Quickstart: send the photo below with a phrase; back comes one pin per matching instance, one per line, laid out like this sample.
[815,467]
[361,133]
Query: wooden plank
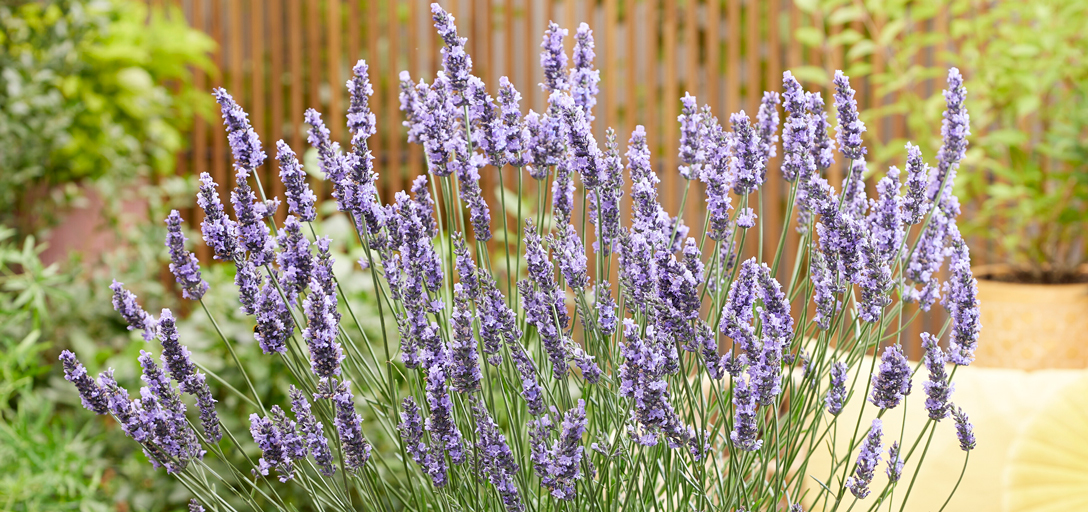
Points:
[752,57]
[313,57]
[714,56]
[610,72]
[775,190]
[294,49]
[653,77]
[732,51]
[200,128]
[219,141]
[392,115]
[415,159]
[275,81]
[337,91]
[692,207]
[355,32]
[256,104]
[630,110]
[669,176]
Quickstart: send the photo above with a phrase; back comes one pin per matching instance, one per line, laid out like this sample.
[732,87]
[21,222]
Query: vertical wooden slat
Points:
[713,55]
[200,129]
[415,160]
[732,51]
[630,115]
[275,82]
[294,19]
[774,193]
[256,105]
[669,175]
[313,56]
[219,142]
[392,113]
[752,74]
[610,73]
[528,87]
[653,74]
[334,47]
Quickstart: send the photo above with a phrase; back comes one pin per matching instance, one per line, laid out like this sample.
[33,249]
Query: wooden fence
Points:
[279,57]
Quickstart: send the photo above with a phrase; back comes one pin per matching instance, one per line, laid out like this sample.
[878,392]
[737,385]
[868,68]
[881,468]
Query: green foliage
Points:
[1027,81]
[91,88]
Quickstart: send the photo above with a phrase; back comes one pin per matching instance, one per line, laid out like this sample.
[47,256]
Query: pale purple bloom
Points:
[90,393]
[604,210]
[274,321]
[530,383]
[915,201]
[516,133]
[765,373]
[183,264]
[444,432]
[848,132]
[961,302]
[498,323]
[886,217]
[563,194]
[964,430]
[253,232]
[775,314]
[194,506]
[836,394]
[560,466]
[823,148]
[606,309]
[248,280]
[553,60]
[176,359]
[348,425]
[584,155]
[273,451]
[466,268]
[436,118]
[410,104]
[455,62]
[745,429]
[798,132]
[718,181]
[737,313]
[464,366]
[411,432]
[293,444]
[498,461]
[867,461]
[467,166]
[938,388]
[323,320]
[748,165]
[875,282]
[955,127]
[927,258]
[294,258]
[855,201]
[642,377]
[300,199]
[571,257]
[649,218]
[767,125]
[583,78]
[692,138]
[312,432]
[245,145]
[162,416]
[329,157]
[824,290]
[488,133]
[219,232]
[892,381]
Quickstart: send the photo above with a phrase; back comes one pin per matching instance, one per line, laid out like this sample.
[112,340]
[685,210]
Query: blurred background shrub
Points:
[1026,171]
[90,89]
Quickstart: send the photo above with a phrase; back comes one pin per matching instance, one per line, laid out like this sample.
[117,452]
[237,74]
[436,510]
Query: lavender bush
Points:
[690,383]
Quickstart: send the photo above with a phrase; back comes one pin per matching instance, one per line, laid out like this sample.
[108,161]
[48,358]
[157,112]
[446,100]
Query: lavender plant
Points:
[694,380]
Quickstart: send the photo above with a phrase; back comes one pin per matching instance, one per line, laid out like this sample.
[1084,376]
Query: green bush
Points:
[1026,171]
[90,88]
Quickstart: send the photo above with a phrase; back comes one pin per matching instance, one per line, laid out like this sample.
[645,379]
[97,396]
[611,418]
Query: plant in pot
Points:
[1024,181]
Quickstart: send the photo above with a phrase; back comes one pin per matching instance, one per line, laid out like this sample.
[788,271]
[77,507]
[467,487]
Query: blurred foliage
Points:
[1026,71]
[90,88]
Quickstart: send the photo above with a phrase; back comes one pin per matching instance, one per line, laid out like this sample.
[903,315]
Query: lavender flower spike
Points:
[848,132]
[455,62]
[244,143]
[294,258]
[583,78]
[498,461]
[530,382]
[964,431]
[219,232]
[892,381]
[737,313]
[300,199]
[915,202]
[323,319]
[938,388]
[312,432]
[411,432]
[183,264]
[176,359]
[125,303]
[955,128]
[767,125]
[961,301]
[836,395]
[253,232]
[823,149]
[745,429]
[273,452]
[747,166]
[553,59]
[867,461]
[464,365]
[692,138]
[895,463]
[93,397]
[349,427]
[194,506]
[798,135]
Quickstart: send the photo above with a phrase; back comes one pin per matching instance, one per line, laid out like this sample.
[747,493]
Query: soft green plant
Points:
[90,88]
[1025,175]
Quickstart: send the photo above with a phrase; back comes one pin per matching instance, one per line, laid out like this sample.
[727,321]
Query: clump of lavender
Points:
[497,434]
[964,430]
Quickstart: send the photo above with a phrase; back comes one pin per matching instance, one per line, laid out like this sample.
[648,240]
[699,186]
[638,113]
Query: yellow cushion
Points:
[1000,403]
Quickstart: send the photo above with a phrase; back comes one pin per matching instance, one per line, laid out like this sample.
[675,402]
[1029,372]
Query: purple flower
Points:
[162,414]
[892,380]
[875,282]
[498,323]
[824,290]
[692,138]
[938,388]
[572,258]
[553,60]
[312,432]
[410,103]
[848,132]
[563,194]
[717,179]
[745,429]
[583,78]
[219,232]
[606,309]
[176,359]
[867,461]
[530,383]
[961,302]
[183,264]
[895,463]
[927,258]
[585,155]
[274,321]
[466,165]
[300,199]
[125,303]
[963,430]
[293,444]
[323,320]
[466,268]
[464,366]
[885,220]
[455,62]
[194,506]
[294,258]
[248,279]
[562,462]
[737,313]
[836,394]
[93,397]
[436,118]
[767,125]
[855,201]
[915,202]
[775,315]
[497,459]
[358,186]
[823,149]
[244,143]
[348,425]
[441,425]
[411,432]
[605,200]
[842,237]
[488,133]
[747,166]
[798,132]
[514,129]
[253,233]
[955,127]
[642,378]
[273,452]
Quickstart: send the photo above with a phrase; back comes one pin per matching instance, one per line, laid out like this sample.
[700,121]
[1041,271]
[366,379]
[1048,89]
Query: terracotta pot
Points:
[1031,326]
